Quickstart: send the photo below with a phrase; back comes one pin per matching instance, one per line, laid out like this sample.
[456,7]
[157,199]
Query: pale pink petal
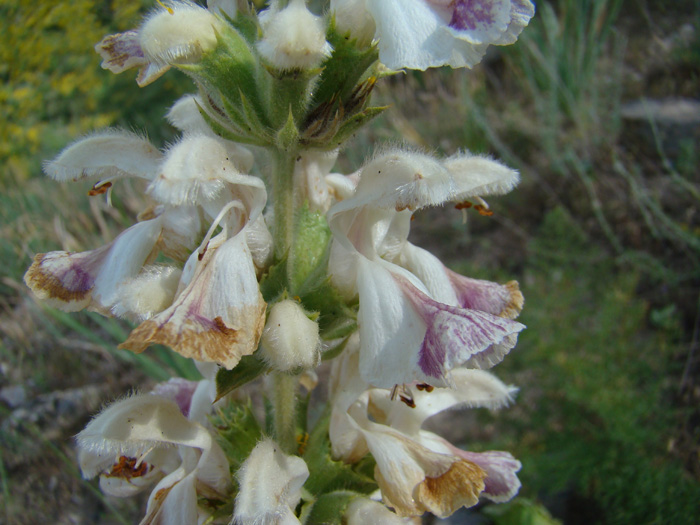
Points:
[479,21]
[501,482]
[121,51]
[504,300]
[73,281]
[457,336]
[414,479]
[178,390]
[219,316]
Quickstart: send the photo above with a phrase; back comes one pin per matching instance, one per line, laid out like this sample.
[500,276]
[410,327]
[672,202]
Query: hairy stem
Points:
[283,198]
[284,400]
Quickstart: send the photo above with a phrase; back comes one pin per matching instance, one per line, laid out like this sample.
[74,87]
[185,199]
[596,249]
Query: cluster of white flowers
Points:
[254,259]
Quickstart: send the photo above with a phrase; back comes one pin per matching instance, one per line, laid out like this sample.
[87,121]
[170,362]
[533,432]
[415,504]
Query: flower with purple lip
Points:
[417,319]
[418,34]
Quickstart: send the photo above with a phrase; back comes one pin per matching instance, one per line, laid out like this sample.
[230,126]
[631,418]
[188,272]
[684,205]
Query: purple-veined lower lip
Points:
[468,15]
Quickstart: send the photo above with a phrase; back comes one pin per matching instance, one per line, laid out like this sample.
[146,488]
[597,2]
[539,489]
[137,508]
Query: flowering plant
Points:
[256,261]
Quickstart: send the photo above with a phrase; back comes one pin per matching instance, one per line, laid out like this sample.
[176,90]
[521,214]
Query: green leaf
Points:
[327,475]
[330,508]
[237,432]
[248,368]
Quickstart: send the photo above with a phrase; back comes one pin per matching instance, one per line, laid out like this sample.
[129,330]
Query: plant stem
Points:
[283,198]
[284,400]
[284,391]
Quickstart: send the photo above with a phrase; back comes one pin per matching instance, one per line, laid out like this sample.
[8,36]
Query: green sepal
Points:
[246,24]
[290,91]
[233,67]
[287,137]
[227,134]
[329,508]
[244,119]
[327,475]
[307,266]
[237,432]
[351,125]
[344,69]
[247,369]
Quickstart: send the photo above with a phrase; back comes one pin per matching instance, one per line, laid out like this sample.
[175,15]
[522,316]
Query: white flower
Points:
[145,438]
[293,37]
[418,34]
[73,281]
[270,486]
[417,319]
[418,471]
[177,33]
[219,314]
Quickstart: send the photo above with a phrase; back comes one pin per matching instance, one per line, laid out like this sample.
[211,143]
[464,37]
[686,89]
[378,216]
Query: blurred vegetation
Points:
[603,234]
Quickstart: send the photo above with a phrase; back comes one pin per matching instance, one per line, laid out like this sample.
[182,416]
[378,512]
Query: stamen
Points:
[100,188]
[483,210]
[408,401]
[394,391]
[425,386]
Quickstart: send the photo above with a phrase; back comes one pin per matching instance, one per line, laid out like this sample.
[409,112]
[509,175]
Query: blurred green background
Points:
[596,105]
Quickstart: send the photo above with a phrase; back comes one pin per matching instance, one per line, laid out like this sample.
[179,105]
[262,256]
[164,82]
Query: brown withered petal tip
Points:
[460,486]
[515,305]
[47,286]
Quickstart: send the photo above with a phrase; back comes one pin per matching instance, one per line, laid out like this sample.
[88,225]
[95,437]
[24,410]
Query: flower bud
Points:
[293,38]
[179,35]
[351,16]
[290,339]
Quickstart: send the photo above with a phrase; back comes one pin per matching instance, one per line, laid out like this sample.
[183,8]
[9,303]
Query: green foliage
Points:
[594,414]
